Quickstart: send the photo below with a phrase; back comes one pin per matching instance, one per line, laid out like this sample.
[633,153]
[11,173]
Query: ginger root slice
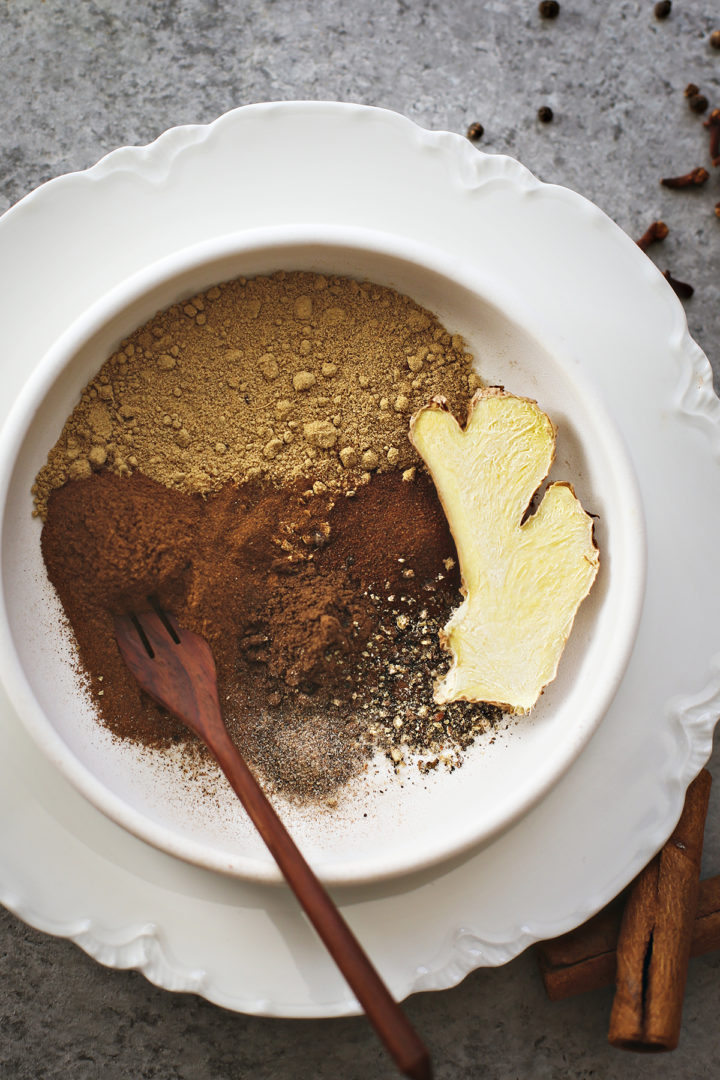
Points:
[523,581]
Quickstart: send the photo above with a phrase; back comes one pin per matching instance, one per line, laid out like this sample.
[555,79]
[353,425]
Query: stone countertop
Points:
[80,79]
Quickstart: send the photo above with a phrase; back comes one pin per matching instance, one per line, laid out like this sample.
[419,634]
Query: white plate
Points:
[383,826]
[582,284]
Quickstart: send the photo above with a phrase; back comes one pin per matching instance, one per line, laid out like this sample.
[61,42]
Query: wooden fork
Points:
[176,668]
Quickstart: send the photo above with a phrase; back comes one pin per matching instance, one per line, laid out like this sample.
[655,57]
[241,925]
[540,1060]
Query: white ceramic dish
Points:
[67,869]
[384,826]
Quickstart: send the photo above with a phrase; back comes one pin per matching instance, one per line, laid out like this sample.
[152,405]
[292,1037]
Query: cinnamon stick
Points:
[585,959]
[656,934]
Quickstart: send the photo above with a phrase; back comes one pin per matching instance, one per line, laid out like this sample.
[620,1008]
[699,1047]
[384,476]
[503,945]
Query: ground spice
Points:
[322,612]
[281,376]
[106,545]
[220,463]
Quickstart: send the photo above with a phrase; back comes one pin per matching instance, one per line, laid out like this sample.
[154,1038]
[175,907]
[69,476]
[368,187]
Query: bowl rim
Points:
[456,271]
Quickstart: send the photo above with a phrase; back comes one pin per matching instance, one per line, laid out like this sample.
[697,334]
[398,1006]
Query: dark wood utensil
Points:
[176,668]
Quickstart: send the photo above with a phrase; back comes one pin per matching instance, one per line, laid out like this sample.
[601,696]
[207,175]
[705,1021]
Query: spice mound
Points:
[285,376]
[244,457]
[323,615]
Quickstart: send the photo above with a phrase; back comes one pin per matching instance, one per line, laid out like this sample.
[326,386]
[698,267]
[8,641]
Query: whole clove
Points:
[713,124]
[655,232]
[717,209]
[692,179]
[715,39]
[662,9]
[475,132]
[680,288]
[691,90]
[545,114]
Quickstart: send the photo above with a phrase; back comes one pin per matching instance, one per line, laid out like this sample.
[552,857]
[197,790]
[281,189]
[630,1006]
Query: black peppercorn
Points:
[715,39]
[698,103]
[545,114]
[663,9]
[549,9]
[475,132]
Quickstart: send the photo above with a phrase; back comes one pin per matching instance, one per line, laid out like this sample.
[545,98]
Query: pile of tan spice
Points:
[291,375]
[244,459]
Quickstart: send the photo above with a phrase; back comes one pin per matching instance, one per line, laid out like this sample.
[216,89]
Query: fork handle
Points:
[388,1019]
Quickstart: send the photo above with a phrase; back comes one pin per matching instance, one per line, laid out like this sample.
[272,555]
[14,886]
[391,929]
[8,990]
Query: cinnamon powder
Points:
[322,614]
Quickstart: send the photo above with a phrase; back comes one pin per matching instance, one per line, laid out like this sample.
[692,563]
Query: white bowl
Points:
[382,827]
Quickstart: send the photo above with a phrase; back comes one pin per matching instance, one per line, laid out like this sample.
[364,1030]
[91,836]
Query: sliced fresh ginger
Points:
[523,581]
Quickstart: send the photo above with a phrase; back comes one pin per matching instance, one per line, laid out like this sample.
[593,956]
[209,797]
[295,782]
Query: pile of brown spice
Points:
[322,614]
[244,460]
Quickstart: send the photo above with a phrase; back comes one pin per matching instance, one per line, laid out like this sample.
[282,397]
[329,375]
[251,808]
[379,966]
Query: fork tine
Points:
[166,618]
[128,627]
[154,627]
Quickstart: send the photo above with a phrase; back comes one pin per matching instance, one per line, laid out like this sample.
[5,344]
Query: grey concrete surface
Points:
[78,79]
